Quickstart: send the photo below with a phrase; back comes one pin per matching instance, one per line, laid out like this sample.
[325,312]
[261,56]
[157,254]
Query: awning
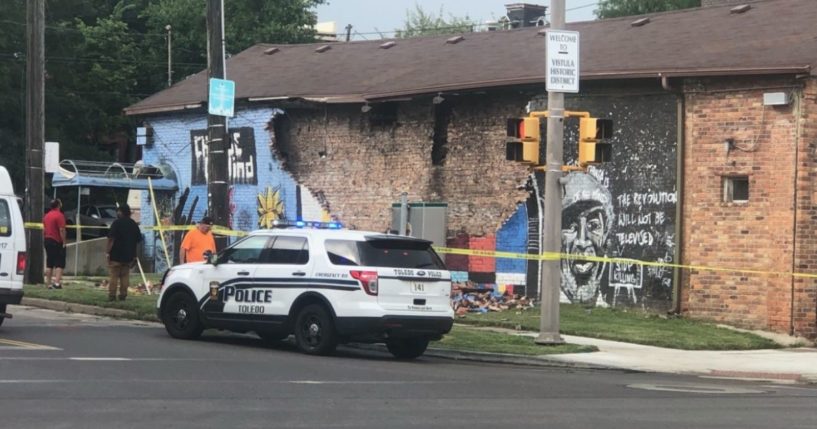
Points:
[112,175]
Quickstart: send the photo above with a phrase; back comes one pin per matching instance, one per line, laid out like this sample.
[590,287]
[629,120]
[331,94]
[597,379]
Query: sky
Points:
[370,16]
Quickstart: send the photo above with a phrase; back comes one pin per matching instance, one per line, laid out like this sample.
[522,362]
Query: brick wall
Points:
[385,160]
[753,235]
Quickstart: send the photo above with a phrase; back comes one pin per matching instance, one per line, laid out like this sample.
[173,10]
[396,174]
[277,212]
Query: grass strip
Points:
[632,326]
[480,340]
[86,292]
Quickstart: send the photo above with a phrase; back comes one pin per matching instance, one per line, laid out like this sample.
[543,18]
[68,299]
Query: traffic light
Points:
[523,139]
[593,145]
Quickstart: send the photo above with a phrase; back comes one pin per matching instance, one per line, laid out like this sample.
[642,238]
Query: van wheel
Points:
[407,348]
[314,331]
[180,316]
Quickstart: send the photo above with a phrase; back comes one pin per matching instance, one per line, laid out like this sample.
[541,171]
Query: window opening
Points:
[736,189]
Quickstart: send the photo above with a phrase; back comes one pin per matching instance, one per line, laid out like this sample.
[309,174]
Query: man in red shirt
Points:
[54,241]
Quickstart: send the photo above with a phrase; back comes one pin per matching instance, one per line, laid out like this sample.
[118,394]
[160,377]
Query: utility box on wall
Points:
[426,220]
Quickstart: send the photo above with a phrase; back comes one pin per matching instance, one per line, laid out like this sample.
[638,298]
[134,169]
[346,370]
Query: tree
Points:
[615,8]
[103,55]
[420,23]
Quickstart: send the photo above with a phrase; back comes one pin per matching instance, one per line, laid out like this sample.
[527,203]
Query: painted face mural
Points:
[587,216]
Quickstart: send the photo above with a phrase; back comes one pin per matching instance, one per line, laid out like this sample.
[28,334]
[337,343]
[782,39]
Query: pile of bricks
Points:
[466,298]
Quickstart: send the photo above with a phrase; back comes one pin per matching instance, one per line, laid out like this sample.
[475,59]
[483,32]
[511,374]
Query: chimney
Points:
[526,15]
[708,3]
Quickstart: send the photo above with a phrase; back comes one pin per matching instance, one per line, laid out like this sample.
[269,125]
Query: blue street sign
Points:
[221,100]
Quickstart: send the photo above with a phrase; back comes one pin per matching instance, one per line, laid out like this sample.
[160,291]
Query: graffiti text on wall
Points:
[240,157]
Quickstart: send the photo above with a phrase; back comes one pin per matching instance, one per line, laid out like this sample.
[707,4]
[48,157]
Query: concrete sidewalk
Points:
[791,365]
[782,365]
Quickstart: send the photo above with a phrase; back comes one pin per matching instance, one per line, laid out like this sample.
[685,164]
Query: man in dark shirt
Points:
[123,238]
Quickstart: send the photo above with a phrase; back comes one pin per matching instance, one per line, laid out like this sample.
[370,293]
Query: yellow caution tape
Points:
[552,256]
[545,256]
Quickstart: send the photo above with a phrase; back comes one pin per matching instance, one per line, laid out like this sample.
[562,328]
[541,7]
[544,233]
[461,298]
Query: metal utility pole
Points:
[218,185]
[551,241]
[35,134]
[348,32]
[169,56]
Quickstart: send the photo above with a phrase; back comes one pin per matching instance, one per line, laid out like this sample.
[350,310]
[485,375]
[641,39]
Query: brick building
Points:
[714,152]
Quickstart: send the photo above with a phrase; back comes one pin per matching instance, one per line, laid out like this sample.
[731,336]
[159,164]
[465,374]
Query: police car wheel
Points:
[314,331]
[181,317]
[407,348]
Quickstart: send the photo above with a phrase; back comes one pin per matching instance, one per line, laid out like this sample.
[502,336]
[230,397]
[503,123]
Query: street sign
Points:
[221,100]
[562,71]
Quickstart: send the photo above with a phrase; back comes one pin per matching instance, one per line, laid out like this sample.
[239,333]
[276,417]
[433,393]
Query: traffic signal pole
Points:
[552,228]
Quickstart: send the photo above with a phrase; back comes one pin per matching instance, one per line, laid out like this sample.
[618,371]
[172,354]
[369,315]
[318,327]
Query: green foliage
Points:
[616,8]
[103,55]
[421,23]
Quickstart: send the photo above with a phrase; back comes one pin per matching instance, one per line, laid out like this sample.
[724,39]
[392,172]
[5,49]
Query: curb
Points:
[486,357]
[70,307]
[457,355]
[541,361]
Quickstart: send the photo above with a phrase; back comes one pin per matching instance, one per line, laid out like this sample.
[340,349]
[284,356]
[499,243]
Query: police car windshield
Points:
[384,253]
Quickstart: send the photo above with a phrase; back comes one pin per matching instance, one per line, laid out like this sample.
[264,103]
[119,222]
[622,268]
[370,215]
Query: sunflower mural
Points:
[270,207]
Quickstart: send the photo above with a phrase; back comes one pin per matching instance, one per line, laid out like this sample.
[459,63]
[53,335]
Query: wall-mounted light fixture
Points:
[438,99]
[366,108]
[322,154]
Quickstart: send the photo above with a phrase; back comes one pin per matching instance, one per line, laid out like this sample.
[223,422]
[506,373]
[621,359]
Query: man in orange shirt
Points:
[197,241]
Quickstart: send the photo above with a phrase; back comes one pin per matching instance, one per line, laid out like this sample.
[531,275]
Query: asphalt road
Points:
[67,370]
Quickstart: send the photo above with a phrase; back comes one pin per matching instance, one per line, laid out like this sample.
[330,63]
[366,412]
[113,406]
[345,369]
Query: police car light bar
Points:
[306,224]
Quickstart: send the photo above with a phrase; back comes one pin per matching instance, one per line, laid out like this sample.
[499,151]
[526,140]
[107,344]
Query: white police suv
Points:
[325,286]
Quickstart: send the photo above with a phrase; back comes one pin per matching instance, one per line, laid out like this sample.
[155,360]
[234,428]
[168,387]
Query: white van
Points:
[12,246]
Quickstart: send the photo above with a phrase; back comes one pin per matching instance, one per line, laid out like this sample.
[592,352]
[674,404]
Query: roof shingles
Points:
[774,36]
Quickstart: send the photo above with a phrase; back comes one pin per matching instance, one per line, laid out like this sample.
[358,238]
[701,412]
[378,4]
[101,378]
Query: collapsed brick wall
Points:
[754,235]
[368,165]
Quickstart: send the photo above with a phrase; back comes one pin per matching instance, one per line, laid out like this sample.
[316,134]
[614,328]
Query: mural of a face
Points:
[587,216]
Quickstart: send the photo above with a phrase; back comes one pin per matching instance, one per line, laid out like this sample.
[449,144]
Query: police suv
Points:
[322,284]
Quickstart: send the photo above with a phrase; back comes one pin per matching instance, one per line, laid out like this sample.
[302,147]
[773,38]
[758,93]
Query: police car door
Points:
[235,273]
[286,271]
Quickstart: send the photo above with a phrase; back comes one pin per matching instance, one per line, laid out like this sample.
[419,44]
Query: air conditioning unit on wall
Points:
[776,99]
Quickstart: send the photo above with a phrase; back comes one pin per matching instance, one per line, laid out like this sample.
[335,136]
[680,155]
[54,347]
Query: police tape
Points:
[218,230]
[545,256]
[555,256]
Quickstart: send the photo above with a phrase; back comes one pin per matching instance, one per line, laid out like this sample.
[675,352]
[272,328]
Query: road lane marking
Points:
[167,380]
[696,388]
[25,345]
[357,382]
[96,359]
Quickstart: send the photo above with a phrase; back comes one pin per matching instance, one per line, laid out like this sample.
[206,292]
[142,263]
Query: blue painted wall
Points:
[512,237]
